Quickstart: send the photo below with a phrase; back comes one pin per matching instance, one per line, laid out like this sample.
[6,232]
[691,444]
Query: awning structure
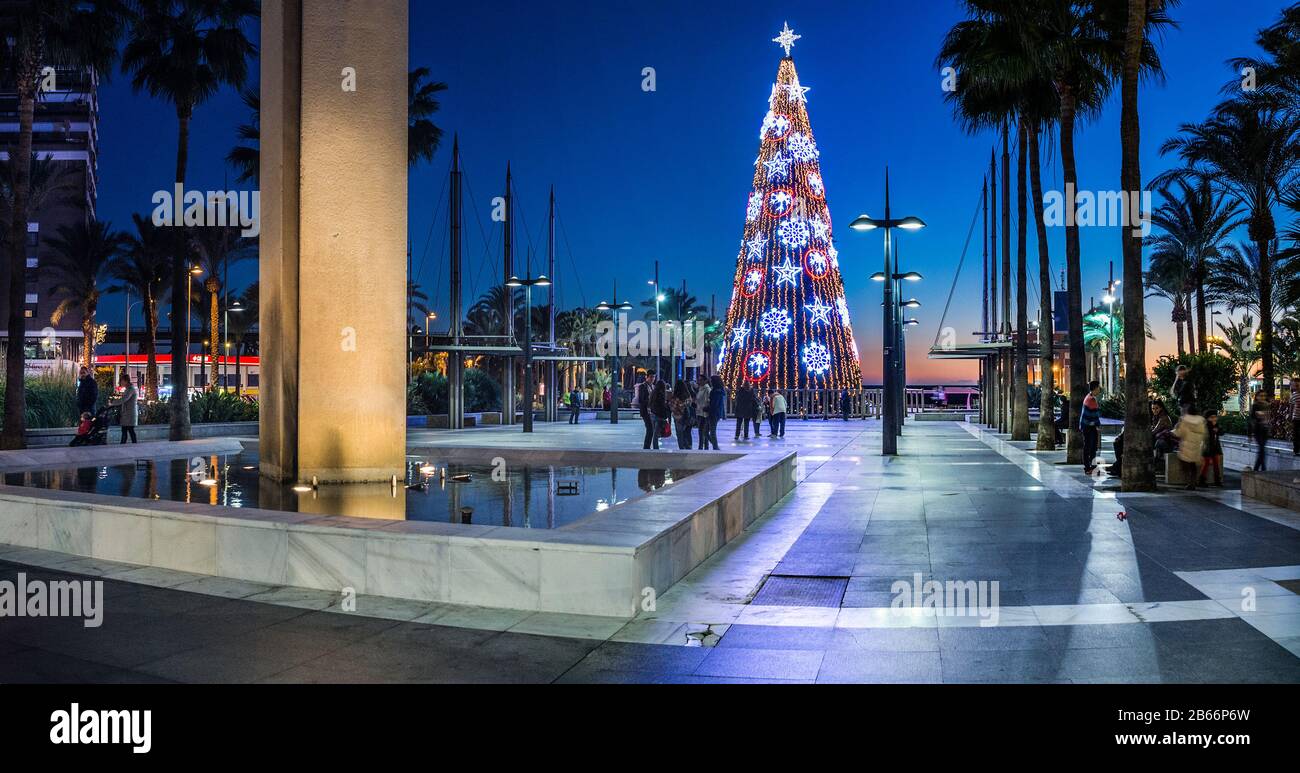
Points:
[978,351]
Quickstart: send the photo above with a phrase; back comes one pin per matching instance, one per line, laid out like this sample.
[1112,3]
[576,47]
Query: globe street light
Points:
[616,385]
[528,285]
[890,410]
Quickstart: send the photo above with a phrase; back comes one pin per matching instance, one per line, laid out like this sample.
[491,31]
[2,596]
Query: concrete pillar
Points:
[333,265]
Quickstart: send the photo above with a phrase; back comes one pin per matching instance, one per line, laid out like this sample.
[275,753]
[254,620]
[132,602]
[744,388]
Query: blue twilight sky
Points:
[555,88]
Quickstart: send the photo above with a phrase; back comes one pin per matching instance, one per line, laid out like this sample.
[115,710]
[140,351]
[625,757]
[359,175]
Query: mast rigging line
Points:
[951,290]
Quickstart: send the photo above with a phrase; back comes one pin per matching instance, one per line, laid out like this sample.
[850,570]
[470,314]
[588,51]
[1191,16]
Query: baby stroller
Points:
[98,429]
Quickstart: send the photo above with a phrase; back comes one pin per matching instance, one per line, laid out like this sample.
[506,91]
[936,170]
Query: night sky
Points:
[556,89]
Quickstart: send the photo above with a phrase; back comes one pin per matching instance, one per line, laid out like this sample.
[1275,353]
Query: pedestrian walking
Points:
[644,391]
[846,404]
[1191,443]
[779,410]
[1260,425]
[129,403]
[1090,426]
[660,410]
[1212,454]
[702,415]
[682,405]
[717,409]
[1183,392]
[87,392]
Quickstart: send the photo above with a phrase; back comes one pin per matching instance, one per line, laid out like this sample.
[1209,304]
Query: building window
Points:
[33,298]
[33,263]
[29,313]
[33,238]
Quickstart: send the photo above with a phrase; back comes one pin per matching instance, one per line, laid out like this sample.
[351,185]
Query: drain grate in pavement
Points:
[785,591]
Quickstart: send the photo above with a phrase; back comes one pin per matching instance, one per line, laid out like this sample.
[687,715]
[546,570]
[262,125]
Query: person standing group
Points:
[87,392]
[710,405]
[130,405]
[776,424]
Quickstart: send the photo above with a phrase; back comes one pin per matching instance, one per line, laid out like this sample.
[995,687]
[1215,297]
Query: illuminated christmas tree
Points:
[788,323]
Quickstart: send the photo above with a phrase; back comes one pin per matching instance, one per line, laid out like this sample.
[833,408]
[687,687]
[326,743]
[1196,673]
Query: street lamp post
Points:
[659,298]
[1112,362]
[236,307]
[892,319]
[179,378]
[528,285]
[129,306]
[616,378]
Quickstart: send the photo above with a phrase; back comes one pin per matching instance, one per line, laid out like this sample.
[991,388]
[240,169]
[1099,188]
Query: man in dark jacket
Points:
[644,391]
[744,409]
[87,392]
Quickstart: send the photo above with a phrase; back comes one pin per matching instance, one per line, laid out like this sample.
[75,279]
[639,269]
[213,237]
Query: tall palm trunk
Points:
[1178,326]
[180,402]
[88,333]
[1020,374]
[1266,311]
[214,288]
[1074,281]
[15,354]
[150,348]
[1203,342]
[1046,359]
[1138,473]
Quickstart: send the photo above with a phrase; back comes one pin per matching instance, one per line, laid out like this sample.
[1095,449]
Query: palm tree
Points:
[1238,344]
[1235,280]
[1278,75]
[1170,278]
[71,34]
[1196,222]
[1005,79]
[417,304]
[246,158]
[1247,150]
[217,249]
[184,51]
[49,182]
[144,268]
[423,136]
[82,255]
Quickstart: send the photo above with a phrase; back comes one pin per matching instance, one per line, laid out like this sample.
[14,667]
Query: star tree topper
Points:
[786,39]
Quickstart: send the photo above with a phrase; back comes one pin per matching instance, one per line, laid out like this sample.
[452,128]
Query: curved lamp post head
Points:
[912,322]
[912,304]
[514,281]
[864,223]
[911,276]
[879,276]
[911,224]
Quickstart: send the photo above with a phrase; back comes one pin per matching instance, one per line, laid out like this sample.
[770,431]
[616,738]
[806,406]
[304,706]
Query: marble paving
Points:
[1186,589]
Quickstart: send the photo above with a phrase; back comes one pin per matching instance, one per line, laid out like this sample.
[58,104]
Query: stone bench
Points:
[1281,488]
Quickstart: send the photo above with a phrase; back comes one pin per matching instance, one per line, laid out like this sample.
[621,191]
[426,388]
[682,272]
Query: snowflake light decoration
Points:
[802,148]
[856,356]
[776,126]
[758,366]
[753,282]
[780,202]
[816,263]
[821,230]
[815,185]
[754,208]
[817,359]
[775,323]
[842,306]
[787,274]
[794,233]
